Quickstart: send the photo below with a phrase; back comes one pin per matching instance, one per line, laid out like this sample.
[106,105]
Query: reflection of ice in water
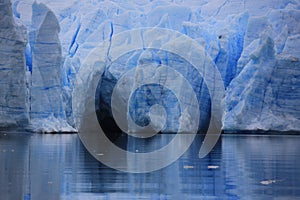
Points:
[59,167]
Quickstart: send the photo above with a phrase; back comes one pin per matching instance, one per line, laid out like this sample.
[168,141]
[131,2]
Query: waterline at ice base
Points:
[159,58]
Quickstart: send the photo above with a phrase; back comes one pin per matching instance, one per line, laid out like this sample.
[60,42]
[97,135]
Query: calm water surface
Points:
[58,167]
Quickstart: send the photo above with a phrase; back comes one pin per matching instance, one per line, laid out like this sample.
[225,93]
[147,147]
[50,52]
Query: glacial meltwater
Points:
[241,166]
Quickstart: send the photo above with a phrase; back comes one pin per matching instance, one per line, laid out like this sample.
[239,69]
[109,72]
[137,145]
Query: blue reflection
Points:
[35,167]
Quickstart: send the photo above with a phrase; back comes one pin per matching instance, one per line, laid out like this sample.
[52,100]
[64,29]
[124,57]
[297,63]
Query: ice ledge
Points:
[51,124]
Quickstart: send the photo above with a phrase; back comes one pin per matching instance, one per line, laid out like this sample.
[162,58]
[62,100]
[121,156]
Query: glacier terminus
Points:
[254,46]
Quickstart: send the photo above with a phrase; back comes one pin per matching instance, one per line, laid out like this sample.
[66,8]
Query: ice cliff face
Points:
[46,101]
[254,46]
[31,87]
[14,92]
[265,94]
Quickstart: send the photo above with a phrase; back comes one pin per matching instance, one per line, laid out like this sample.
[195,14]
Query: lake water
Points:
[241,166]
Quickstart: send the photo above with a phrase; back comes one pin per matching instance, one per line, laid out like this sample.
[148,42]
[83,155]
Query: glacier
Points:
[14,92]
[253,45]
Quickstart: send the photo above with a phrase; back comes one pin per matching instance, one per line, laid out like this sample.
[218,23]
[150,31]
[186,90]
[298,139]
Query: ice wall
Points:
[254,46]
[13,92]
[265,94]
[31,71]
[46,102]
